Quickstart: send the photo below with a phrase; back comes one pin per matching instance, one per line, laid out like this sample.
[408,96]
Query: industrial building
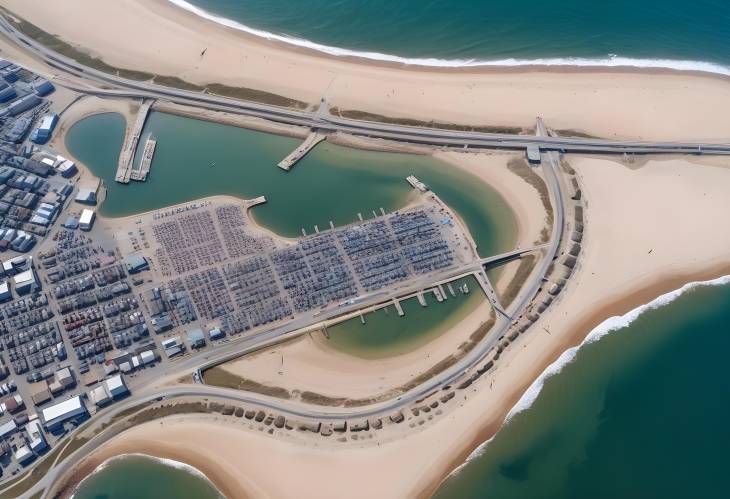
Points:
[172,346]
[21,105]
[86,196]
[137,263]
[57,414]
[5,293]
[215,334]
[8,428]
[196,338]
[26,282]
[42,134]
[116,386]
[148,357]
[35,437]
[65,377]
[7,92]
[23,455]
[100,396]
[39,393]
[43,87]
[86,220]
[67,168]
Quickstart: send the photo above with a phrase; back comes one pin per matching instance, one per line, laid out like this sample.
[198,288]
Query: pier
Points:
[421,299]
[443,293]
[398,307]
[312,140]
[131,139]
[140,174]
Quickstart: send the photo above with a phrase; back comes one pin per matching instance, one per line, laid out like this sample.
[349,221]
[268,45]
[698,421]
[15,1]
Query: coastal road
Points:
[94,82]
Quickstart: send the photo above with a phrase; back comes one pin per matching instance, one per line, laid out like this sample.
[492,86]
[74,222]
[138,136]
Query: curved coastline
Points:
[172,463]
[611,61]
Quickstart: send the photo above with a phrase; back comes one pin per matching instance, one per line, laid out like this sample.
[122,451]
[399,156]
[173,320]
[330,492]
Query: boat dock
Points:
[451,290]
[421,299]
[398,307]
[416,184]
[437,294]
[140,174]
[131,139]
[312,140]
[443,293]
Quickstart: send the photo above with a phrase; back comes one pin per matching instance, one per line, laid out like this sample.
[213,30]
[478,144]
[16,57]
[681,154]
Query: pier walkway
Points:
[140,174]
[131,139]
[312,140]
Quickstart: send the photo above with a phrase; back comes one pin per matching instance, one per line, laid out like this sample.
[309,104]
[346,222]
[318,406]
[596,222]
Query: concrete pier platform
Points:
[131,139]
[398,308]
[312,140]
[443,293]
[140,174]
[421,299]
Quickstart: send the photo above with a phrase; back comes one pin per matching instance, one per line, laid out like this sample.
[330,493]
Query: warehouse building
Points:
[100,396]
[116,386]
[196,338]
[21,105]
[26,282]
[7,92]
[65,377]
[57,414]
[23,455]
[5,293]
[35,437]
[39,393]
[86,220]
[86,196]
[42,134]
[172,346]
[43,87]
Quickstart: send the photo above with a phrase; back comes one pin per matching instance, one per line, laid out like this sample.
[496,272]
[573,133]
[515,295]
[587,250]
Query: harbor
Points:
[131,139]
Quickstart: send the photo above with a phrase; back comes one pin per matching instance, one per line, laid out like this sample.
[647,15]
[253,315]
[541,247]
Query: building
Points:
[147,357]
[26,282]
[39,393]
[67,169]
[5,293]
[14,404]
[57,414]
[100,396]
[41,134]
[86,196]
[7,92]
[137,263]
[71,223]
[86,220]
[23,455]
[7,428]
[172,346]
[65,377]
[116,386]
[23,104]
[533,154]
[43,87]
[215,334]
[35,437]
[196,338]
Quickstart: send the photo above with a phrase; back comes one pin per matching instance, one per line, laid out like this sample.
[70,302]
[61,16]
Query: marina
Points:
[131,139]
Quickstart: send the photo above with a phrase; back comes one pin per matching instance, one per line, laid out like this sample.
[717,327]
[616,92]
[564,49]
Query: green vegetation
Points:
[217,376]
[575,133]
[31,477]
[527,263]
[365,116]
[520,167]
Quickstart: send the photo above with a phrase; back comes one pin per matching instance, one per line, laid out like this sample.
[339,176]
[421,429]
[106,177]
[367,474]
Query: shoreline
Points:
[620,63]
[631,104]
[576,337]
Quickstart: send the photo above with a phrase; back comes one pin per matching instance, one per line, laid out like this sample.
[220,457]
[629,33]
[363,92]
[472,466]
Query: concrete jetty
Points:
[437,294]
[421,299]
[451,290]
[140,174]
[131,139]
[398,307]
[312,140]
[443,293]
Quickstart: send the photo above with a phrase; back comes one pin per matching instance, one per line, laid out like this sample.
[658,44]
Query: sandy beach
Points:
[611,279]
[158,37]
[650,227]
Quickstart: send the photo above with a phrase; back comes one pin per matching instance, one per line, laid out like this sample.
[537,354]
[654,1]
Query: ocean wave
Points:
[610,325]
[612,60]
[167,462]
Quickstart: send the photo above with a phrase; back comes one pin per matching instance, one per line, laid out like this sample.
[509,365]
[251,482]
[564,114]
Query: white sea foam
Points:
[608,326]
[611,60]
[167,462]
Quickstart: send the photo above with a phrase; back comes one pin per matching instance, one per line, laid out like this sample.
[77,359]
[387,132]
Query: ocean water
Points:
[331,183]
[666,33]
[142,477]
[639,411]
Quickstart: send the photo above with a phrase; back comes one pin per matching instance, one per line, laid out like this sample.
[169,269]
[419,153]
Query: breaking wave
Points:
[608,326]
[167,462]
[611,60]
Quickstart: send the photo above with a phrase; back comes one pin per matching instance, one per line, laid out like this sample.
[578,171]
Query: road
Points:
[91,81]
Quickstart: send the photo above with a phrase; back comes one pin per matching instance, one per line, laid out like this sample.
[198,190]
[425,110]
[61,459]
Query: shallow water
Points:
[386,334]
[197,158]
[142,477]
